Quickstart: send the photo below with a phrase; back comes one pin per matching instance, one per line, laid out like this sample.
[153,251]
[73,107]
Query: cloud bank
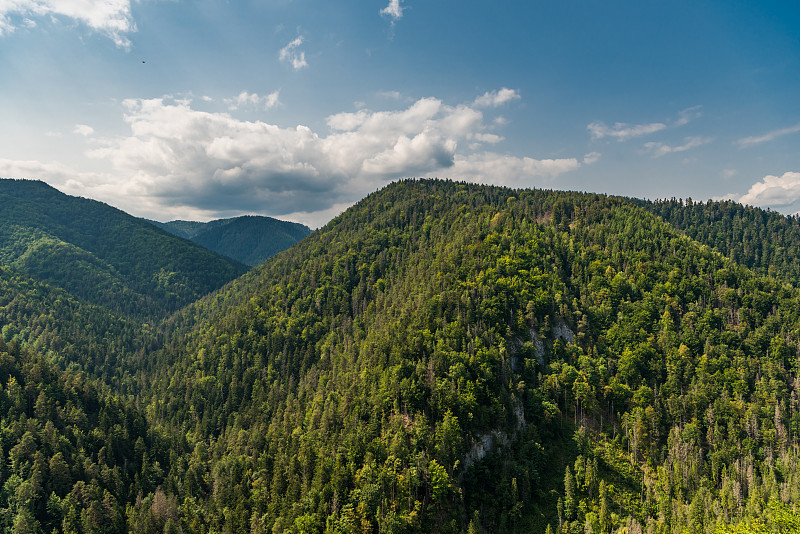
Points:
[774,191]
[109,17]
[179,158]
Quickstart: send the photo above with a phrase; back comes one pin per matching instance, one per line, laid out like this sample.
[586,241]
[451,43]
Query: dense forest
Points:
[443,356]
[764,241]
[103,255]
[248,239]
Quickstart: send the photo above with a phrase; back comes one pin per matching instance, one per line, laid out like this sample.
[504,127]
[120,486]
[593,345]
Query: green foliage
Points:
[440,328]
[73,457]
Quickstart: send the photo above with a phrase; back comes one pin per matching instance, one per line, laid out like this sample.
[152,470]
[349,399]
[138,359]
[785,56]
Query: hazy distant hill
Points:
[103,255]
[249,239]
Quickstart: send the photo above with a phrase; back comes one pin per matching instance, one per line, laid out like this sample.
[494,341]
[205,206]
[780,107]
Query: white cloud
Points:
[622,131]
[253,100]
[487,138]
[496,98]
[769,136]
[661,149]
[83,129]
[774,191]
[394,10]
[178,157]
[30,169]
[292,54]
[109,17]
[591,157]
[504,169]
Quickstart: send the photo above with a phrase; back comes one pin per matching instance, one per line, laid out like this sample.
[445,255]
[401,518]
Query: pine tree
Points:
[605,513]
[569,495]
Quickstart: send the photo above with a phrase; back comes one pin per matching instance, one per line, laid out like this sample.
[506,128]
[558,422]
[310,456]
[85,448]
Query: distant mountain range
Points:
[249,239]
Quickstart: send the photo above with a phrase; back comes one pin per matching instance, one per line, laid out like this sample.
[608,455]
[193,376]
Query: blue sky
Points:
[296,109]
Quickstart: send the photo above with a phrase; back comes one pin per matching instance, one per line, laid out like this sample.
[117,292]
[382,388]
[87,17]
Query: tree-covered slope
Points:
[103,255]
[248,239]
[446,357]
[764,241]
[72,333]
[75,460]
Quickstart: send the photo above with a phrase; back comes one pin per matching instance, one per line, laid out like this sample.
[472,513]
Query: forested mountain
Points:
[103,255]
[442,357]
[446,357]
[764,241]
[249,239]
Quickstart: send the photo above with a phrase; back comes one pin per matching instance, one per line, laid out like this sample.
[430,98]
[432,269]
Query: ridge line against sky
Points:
[297,109]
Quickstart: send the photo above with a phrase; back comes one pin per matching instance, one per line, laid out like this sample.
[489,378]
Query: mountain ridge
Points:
[249,239]
[102,254]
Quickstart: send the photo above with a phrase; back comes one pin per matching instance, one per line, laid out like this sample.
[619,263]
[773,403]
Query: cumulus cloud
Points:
[769,136]
[661,149]
[178,156]
[504,169]
[253,100]
[394,10]
[292,54]
[109,17]
[622,131]
[496,98]
[31,169]
[774,191]
[83,129]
